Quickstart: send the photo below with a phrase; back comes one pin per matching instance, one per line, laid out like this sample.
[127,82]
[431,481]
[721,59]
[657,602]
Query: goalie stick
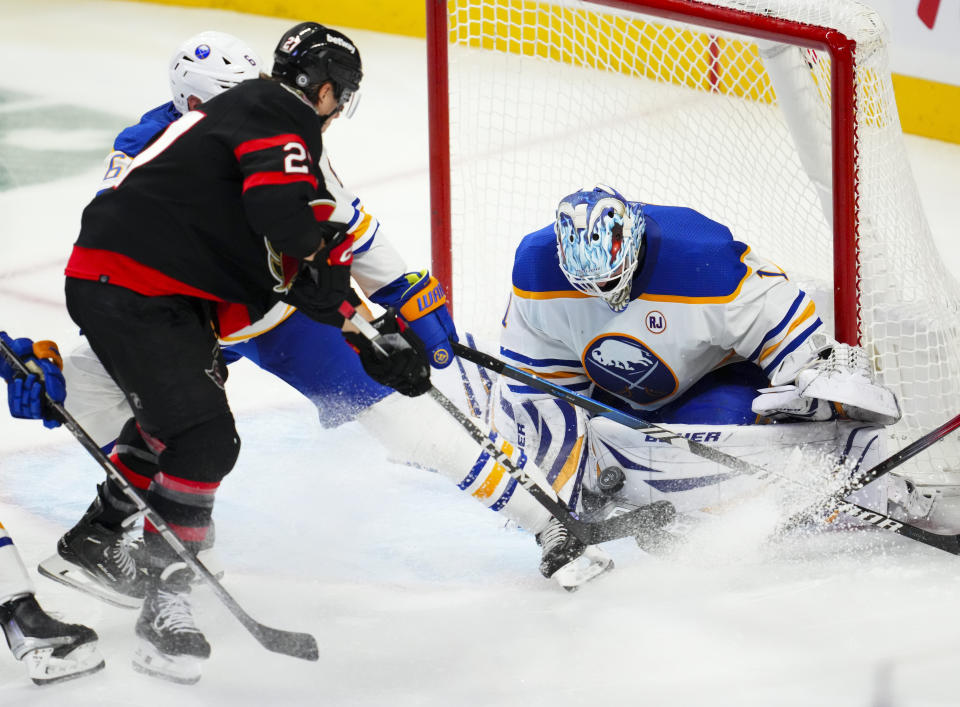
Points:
[837,498]
[292,643]
[637,521]
[949,543]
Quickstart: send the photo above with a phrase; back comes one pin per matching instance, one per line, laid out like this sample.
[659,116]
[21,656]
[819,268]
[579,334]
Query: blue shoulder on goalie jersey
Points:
[133,139]
[688,256]
[536,270]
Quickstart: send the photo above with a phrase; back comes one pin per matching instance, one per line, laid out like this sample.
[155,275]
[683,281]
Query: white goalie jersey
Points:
[700,300]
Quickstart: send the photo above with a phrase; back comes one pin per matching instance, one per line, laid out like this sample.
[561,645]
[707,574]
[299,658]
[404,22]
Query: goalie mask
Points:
[599,235]
[208,64]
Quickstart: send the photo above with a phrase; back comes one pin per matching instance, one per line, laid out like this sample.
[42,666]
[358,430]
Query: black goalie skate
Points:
[52,651]
[171,646]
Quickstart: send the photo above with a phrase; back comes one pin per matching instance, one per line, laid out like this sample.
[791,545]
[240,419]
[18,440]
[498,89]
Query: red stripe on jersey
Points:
[266,178]
[232,317]
[121,270]
[263,143]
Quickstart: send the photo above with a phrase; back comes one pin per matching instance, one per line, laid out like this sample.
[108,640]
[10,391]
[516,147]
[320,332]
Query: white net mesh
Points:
[549,97]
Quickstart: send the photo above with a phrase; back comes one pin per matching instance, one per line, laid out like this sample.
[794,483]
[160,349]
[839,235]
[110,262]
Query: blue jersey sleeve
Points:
[133,139]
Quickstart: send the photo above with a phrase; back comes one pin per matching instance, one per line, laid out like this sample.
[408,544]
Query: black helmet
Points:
[310,54]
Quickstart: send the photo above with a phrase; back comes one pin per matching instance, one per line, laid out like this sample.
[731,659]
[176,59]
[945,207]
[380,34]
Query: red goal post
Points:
[774,117]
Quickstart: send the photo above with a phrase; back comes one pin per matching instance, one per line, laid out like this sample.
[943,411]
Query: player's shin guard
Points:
[187,507]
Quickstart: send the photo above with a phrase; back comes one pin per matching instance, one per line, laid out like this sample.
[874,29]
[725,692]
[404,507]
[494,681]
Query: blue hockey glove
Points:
[25,396]
[421,301]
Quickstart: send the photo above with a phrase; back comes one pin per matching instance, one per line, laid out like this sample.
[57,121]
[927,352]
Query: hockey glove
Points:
[323,284]
[838,382]
[421,301]
[25,396]
[402,365]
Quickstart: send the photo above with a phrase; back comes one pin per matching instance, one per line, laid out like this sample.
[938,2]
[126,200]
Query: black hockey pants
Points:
[164,355]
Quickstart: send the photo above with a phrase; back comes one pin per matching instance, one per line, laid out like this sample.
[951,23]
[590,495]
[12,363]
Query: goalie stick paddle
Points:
[640,520]
[949,543]
[292,643]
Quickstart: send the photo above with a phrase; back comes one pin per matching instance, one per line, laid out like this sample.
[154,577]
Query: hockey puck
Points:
[611,479]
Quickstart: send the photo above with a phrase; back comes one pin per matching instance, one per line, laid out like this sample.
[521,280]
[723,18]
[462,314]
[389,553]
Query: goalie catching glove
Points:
[421,301]
[838,382]
[397,358]
[25,396]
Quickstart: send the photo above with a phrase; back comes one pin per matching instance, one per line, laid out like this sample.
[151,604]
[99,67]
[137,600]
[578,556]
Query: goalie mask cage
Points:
[774,117]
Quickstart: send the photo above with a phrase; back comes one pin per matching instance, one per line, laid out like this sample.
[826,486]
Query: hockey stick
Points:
[590,533]
[949,543]
[292,643]
[863,478]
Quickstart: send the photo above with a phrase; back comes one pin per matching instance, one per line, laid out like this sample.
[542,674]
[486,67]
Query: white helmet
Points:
[209,63]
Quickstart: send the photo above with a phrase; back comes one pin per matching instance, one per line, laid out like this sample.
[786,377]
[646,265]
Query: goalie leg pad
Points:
[419,432]
[14,580]
[655,470]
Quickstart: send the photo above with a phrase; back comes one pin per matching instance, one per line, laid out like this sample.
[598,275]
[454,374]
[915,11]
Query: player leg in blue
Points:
[314,359]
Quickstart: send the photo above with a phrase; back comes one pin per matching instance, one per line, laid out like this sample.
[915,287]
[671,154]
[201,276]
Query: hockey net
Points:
[774,117]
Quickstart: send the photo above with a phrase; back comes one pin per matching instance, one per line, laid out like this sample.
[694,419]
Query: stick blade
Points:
[638,521]
[291,643]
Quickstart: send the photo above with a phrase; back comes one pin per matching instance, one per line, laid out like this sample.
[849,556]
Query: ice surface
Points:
[416,594]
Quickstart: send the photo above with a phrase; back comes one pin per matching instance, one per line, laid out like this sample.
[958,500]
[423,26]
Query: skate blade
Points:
[45,669]
[181,669]
[585,568]
[59,570]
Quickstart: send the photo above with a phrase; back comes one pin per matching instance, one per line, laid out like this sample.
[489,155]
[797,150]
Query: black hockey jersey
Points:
[221,206]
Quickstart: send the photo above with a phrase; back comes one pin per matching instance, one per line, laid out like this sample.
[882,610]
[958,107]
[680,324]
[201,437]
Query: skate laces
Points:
[174,614]
[553,536]
[122,556]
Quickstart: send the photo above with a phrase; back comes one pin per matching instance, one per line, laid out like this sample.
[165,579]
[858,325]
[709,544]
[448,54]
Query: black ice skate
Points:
[99,561]
[171,646]
[52,651]
[568,560]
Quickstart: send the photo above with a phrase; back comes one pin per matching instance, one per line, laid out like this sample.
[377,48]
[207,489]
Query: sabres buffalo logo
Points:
[626,367]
